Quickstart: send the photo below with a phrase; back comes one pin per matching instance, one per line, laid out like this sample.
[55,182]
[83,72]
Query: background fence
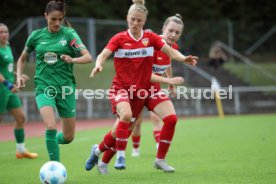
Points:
[195,105]
[197,39]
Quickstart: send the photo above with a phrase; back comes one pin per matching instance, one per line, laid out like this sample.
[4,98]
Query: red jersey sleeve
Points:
[158,43]
[113,43]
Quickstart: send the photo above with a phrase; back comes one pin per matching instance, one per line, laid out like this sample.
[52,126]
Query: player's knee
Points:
[126,117]
[20,120]
[170,120]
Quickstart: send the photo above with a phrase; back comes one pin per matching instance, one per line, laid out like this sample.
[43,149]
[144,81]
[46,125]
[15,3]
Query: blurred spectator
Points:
[217,56]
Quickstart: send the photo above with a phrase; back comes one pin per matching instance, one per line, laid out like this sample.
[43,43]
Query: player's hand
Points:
[191,60]
[66,58]
[176,81]
[95,70]
[172,90]
[25,77]
[14,89]
[20,82]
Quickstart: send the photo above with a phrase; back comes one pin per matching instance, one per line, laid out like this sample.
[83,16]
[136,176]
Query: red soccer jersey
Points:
[161,62]
[133,59]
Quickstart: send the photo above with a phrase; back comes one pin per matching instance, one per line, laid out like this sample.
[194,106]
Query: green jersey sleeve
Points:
[29,46]
[75,41]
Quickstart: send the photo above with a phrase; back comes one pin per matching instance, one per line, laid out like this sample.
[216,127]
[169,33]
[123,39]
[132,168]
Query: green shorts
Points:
[8,101]
[66,106]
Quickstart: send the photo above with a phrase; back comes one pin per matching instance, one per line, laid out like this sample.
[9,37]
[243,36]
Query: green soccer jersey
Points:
[50,69]
[6,63]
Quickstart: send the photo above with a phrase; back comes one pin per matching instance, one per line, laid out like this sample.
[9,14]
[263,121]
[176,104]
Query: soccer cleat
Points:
[162,165]
[120,163]
[135,152]
[102,168]
[25,154]
[93,159]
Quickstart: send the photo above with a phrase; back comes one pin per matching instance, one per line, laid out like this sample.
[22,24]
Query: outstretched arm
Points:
[176,55]
[102,57]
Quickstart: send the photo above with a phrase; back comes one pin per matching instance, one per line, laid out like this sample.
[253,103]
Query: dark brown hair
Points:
[57,5]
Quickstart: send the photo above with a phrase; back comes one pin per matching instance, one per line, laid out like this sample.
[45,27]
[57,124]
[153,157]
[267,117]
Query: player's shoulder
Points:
[122,34]
[38,31]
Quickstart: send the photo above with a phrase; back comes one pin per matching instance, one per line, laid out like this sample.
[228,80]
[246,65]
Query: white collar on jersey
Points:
[142,34]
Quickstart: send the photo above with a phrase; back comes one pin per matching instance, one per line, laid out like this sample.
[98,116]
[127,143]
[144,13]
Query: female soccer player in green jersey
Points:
[8,100]
[57,48]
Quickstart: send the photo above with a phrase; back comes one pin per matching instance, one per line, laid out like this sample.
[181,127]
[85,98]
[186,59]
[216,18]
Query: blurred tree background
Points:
[204,20]
[242,10]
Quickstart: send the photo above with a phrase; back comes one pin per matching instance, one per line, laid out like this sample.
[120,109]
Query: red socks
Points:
[107,142]
[156,135]
[166,135]
[122,134]
[135,141]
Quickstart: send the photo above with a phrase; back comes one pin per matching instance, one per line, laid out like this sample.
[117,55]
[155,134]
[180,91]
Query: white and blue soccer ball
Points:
[53,172]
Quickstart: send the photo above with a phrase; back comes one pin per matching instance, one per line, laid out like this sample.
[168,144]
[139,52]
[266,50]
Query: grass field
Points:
[236,149]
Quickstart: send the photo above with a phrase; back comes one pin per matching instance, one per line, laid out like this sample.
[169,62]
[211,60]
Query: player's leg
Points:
[66,107]
[125,114]
[19,133]
[68,131]
[157,126]
[15,109]
[165,110]
[48,117]
[108,142]
[46,108]
[136,136]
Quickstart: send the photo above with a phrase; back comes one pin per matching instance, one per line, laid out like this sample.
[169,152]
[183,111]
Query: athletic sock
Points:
[52,145]
[108,155]
[19,135]
[107,142]
[166,136]
[19,138]
[122,136]
[156,135]
[136,141]
[61,140]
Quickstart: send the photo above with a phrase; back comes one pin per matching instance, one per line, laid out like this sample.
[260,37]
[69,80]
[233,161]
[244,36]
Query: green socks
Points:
[52,145]
[19,135]
[61,140]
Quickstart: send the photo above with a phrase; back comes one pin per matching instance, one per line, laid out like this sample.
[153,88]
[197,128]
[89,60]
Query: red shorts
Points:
[117,96]
[154,100]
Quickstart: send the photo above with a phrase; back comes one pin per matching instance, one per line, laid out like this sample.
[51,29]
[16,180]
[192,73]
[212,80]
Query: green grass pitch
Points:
[206,150]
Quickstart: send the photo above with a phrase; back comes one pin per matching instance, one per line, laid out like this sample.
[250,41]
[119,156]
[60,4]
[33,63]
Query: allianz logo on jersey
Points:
[160,69]
[134,53]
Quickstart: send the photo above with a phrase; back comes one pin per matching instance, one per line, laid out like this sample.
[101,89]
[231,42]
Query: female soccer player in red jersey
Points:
[133,61]
[171,32]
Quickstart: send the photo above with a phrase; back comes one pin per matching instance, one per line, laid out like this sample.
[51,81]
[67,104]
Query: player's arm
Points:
[83,59]
[168,73]
[8,84]
[102,57]
[165,80]
[20,81]
[176,55]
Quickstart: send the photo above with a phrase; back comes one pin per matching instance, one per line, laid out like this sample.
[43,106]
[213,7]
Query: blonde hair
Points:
[177,18]
[138,5]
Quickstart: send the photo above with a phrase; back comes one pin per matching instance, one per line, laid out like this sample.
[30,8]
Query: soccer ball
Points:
[53,172]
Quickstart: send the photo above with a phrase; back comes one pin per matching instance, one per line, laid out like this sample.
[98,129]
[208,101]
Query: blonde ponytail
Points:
[138,5]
